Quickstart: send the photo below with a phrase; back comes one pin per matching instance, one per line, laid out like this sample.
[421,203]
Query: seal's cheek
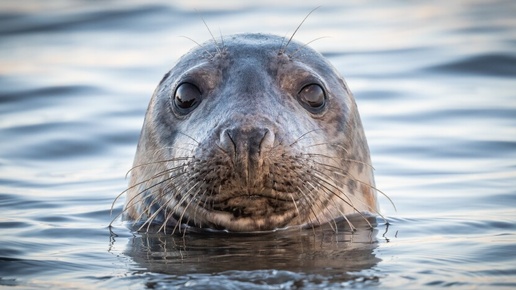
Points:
[369,196]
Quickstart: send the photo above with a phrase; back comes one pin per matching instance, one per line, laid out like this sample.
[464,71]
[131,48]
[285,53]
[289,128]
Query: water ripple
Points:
[496,65]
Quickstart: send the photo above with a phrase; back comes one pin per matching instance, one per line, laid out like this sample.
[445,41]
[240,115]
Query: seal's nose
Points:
[247,147]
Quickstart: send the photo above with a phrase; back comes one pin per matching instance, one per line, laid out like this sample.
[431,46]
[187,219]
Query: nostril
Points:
[227,141]
[267,140]
[247,143]
[246,147]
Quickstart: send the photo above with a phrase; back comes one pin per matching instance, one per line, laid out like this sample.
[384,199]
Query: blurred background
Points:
[434,82]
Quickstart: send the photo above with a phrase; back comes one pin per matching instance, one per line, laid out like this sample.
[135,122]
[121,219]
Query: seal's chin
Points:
[251,213]
[253,206]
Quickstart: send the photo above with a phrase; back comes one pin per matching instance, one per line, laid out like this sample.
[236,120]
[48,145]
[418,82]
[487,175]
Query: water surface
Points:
[435,82]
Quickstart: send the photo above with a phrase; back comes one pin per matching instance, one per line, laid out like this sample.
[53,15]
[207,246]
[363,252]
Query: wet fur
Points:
[316,169]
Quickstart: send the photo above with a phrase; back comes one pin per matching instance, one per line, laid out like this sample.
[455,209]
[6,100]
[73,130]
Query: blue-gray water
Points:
[435,82]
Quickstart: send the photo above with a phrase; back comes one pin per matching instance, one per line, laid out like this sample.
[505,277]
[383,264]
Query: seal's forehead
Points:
[247,41]
[240,54]
[254,39]
[254,44]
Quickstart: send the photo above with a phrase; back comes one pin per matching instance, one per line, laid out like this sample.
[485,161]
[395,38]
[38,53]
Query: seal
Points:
[251,133]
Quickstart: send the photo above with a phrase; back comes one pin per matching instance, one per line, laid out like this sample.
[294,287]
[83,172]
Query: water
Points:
[435,84]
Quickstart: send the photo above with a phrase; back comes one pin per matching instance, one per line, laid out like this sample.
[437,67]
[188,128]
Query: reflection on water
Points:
[434,82]
[333,257]
[162,254]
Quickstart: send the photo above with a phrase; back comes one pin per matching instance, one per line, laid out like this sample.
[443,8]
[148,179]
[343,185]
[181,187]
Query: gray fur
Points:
[250,157]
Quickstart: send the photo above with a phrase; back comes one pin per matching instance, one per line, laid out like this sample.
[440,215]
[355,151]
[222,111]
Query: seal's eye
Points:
[186,97]
[312,97]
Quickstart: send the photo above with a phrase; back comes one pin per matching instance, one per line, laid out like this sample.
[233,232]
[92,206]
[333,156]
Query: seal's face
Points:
[250,135]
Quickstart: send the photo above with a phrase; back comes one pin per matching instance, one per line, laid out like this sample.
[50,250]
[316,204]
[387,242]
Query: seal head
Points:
[250,135]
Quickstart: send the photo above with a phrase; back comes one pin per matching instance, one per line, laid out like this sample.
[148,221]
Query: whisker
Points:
[307,196]
[164,205]
[295,31]
[157,162]
[198,44]
[219,49]
[380,191]
[130,202]
[168,216]
[350,224]
[192,199]
[157,175]
[348,202]
[306,44]
[348,175]
[302,136]
[311,198]
[340,158]
[295,205]
[201,198]
[221,38]
[319,204]
[186,195]
[147,212]
[149,221]
[188,149]
[193,139]
[331,193]
[340,147]
[146,207]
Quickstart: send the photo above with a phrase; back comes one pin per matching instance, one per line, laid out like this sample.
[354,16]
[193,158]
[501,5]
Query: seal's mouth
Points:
[253,206]
[249,213]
